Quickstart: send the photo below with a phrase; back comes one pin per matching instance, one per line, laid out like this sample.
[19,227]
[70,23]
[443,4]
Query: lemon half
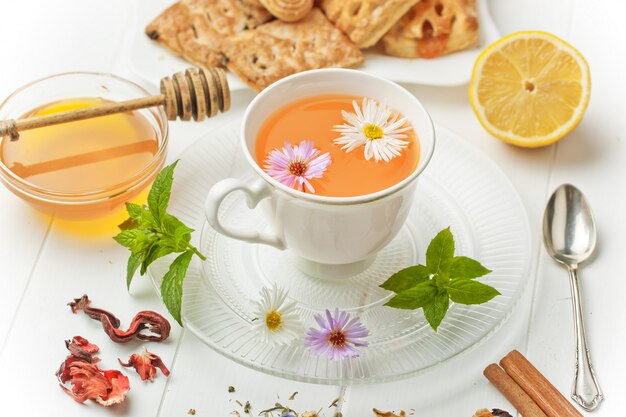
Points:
[530,88]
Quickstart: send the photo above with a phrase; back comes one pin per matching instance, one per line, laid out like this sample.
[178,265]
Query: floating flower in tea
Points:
[376,127]
[278,322]
[338,337]
[295,165]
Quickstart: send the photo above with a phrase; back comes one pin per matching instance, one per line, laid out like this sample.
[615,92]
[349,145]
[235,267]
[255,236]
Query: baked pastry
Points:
[194,29]
[365,21]
[252,2]
[288,10]
[433,28]
[278,49]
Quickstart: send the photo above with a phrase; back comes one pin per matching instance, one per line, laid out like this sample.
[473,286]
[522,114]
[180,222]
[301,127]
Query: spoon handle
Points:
[585,391]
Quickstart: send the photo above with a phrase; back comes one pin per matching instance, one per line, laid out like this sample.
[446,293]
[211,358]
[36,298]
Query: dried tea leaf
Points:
[379,413]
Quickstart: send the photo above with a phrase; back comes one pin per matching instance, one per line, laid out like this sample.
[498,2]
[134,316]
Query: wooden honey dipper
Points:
[196,93]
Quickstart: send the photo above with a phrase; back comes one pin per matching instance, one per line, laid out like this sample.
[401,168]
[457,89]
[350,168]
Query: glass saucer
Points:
[461,188]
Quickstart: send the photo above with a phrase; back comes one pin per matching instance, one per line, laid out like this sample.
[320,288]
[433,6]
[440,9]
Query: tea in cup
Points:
[336,155]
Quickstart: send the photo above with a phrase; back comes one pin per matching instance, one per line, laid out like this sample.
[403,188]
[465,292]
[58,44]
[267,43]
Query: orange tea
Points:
[337,145]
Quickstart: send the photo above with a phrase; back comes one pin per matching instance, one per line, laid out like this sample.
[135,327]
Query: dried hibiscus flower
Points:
[81,348]
[144,320]
[87,380]
[145,364]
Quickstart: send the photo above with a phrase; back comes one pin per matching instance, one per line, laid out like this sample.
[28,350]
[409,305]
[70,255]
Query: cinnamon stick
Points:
[551,401]
[509,388]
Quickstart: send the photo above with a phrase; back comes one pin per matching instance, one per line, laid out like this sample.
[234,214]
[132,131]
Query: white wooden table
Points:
[43,267]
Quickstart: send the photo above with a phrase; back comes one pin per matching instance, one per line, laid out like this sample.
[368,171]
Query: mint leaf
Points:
[151,233]
[134,239]
[420,295]
[181,234]
[443,278]
[134,260]
[159,195]
[462,267]
[467,291]
[128,224]
[159,249]
[127,238]
[436,311]
[135,211]
[441,281]
[140,218]
[406,278]
[440,250]
[172,285]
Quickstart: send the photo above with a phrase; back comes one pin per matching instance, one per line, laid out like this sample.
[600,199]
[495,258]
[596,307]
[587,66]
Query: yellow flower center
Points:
[372,131]
[274,320]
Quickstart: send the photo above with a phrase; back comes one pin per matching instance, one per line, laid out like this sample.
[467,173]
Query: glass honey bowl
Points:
[86,169]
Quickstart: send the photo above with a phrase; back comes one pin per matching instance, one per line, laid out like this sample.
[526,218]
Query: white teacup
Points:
[332,237]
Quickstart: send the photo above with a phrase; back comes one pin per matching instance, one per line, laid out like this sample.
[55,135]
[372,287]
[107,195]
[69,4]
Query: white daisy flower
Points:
[278,322]
[377,127]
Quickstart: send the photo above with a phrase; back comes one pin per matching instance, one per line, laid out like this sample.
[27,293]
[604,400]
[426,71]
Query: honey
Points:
[90,156]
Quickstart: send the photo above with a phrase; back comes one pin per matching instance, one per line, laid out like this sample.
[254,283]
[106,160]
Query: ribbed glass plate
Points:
[461,188]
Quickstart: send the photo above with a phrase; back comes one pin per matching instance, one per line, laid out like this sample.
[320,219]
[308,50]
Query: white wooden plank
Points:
[41,38]
[24,230]
[513,15]
[201,378]
[35,46]
[456,389]
[592,158]
[69,267]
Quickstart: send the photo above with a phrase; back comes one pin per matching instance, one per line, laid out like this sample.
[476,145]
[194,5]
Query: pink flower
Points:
[338,337]
[294,166]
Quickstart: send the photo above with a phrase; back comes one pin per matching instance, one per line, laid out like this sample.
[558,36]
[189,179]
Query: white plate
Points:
[152,62]
[460,188]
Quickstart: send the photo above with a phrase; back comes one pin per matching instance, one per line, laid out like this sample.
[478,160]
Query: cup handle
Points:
[255,193]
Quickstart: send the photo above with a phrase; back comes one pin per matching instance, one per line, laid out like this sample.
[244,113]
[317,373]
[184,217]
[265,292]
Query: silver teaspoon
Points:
[569,233]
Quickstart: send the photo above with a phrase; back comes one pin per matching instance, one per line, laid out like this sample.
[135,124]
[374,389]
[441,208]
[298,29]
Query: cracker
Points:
[433,28]
[365,21]
[166,27]
[278,49]
[194,29]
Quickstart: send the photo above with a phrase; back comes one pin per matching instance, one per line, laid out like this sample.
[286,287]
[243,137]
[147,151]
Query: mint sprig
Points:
[151,233]
[445,277]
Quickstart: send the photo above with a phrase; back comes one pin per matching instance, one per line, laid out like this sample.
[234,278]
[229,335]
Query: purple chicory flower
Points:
[338,336]
[294,166]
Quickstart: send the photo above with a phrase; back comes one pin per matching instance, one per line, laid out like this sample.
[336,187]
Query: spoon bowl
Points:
[569,228]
